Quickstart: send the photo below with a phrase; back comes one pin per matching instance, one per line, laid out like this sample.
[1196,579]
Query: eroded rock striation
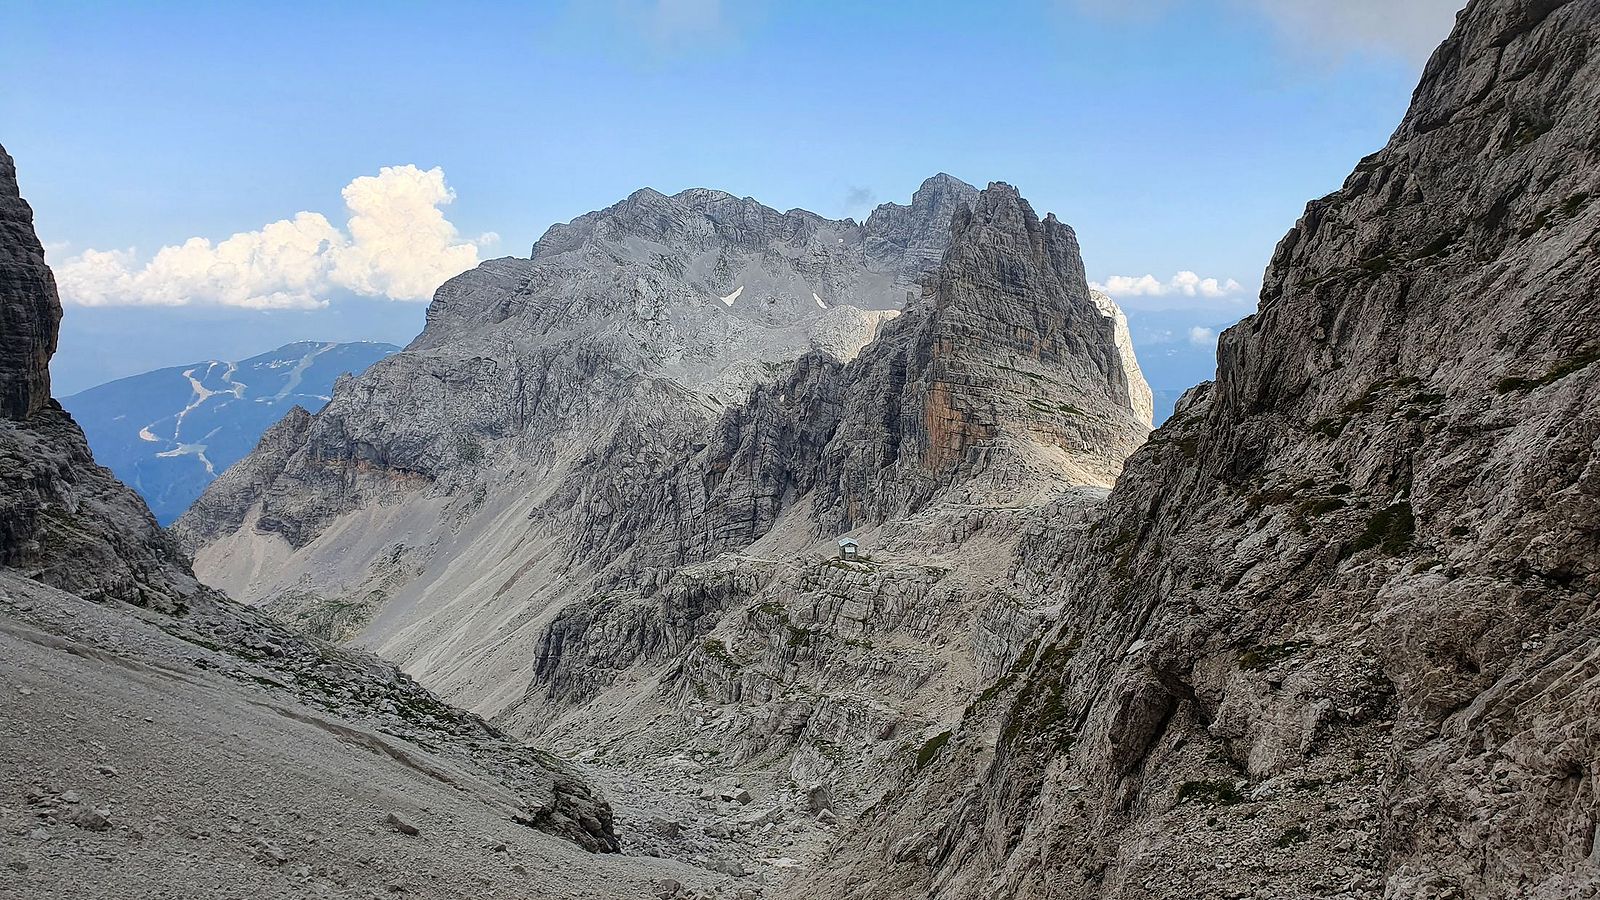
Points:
[29,311]
[1336,631]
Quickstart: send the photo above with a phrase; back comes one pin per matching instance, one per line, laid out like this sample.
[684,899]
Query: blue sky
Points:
[1175,135]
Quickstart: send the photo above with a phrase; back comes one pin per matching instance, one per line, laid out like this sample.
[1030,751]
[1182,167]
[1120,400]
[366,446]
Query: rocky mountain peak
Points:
[29,309]
[917,234]
[65,522]
[1018,350]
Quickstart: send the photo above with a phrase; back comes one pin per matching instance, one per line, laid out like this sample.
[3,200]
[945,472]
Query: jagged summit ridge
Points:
[698,277]
[600,388]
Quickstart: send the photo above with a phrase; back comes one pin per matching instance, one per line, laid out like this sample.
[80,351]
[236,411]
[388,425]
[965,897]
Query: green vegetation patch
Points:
[1580,360]
[1041,706]
[1390,531]
[931,749]
[1023,661]
[719,651]
[1527,128]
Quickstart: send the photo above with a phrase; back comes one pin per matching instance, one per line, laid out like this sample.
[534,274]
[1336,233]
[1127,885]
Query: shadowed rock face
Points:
[29,310]
[1337,631]
[1008,372]
[1004,381]
[64,521]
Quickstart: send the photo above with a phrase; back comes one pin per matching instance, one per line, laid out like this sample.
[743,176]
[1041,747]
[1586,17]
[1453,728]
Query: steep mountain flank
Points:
[654,315]
[64,521]
[1336,633]
[29,314]
[675,407]
[1004,382]
[1003,390]
[104,627]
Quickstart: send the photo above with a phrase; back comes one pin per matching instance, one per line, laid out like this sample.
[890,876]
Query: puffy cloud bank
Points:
[1183,284]
[396,244]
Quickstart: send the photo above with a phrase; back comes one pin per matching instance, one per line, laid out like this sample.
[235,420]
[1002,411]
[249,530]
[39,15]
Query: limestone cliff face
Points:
[29,309]
[1004,381]
[1336,632]
[64,521]
[1007,373]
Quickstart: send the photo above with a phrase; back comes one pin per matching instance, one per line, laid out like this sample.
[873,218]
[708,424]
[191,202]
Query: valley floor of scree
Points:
[126,773]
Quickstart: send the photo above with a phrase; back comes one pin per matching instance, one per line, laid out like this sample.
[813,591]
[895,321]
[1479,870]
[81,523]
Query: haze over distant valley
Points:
[169,433]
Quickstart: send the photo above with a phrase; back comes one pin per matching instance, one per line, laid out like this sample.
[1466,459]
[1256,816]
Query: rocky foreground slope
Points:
[159,740]
[598,497]
[1336,632]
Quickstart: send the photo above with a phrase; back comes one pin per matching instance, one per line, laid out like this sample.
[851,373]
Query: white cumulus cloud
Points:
[1201,336]
[1183,284]
[396,243]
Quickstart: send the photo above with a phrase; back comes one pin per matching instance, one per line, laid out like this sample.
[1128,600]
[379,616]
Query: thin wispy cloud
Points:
[1183,284]
[858,198]
[661,30]
[1409,29]
[674,23]
[396,244]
